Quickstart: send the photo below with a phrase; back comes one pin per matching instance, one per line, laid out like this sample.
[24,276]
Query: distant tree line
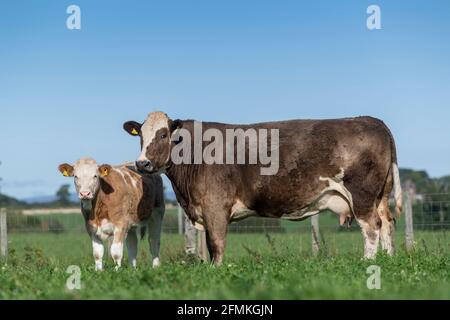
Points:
[64,198]
[424,183]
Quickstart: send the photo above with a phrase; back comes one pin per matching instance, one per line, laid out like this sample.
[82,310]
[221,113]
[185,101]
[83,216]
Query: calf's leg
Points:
[154,235]
[109,244]
[132,246]
[98,251]
[370,226]
[117,246]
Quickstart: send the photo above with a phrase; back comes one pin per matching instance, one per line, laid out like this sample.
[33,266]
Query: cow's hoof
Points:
[156,263]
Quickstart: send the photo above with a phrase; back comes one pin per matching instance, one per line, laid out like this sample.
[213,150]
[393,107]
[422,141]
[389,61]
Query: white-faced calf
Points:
[116,203]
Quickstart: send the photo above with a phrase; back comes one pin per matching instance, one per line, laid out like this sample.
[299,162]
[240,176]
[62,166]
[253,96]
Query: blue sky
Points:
[65,94]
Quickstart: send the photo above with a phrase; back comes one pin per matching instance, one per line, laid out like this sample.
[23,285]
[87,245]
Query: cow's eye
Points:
[95,177]
[163,136]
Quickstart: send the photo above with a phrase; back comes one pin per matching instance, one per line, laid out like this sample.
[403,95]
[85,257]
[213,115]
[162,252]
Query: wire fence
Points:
[429,212]
[73,222]
[433,212]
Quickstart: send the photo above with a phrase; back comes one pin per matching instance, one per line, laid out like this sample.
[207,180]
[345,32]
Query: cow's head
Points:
[87,175]
[156,141]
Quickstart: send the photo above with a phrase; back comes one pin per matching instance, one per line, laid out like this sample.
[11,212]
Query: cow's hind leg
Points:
[132,245]
[370,225]
[154,235]
[365,212]
[387,227]
[387,221]
[366,181]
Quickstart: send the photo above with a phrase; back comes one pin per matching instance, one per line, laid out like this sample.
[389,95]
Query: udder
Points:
[338,205]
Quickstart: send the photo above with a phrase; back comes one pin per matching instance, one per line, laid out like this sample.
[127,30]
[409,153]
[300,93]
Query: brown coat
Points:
[125,199]
[345,165]
[115,202]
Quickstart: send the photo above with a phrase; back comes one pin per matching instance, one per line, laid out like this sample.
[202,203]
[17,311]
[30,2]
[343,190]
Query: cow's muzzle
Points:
[145,166]
[85,195]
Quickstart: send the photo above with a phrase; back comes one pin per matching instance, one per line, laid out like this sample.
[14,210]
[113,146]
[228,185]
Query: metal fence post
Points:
[3,234]
[315,236]
[409,229]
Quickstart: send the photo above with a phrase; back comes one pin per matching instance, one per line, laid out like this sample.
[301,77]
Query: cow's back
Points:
[311,153]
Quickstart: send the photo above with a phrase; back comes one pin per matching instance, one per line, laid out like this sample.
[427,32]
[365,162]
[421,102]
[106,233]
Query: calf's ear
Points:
[66,170]
[105,170]
[132,127]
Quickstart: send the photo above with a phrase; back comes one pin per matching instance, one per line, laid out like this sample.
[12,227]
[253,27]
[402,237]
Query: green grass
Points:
[281,267]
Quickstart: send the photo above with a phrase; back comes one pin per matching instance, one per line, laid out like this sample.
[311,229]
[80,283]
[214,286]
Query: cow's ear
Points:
[133,128]
[66,170]
[105,170]
[175,124]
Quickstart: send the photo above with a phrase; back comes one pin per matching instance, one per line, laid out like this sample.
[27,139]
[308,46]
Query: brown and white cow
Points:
[348,166]
[116,203]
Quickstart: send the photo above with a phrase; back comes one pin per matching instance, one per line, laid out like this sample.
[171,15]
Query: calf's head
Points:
[156,141]
[87,175]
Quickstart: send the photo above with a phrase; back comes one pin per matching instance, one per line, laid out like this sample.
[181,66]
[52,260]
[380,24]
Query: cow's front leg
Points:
[209,246]
[217,228]
[117,246]
[98,251]
[154,235]
[132,244]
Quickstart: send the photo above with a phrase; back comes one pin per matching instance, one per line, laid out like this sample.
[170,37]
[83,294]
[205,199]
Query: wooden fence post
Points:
[409,229]
[3,234]
[315,236]
[200,242]
[201,246]
[180,220]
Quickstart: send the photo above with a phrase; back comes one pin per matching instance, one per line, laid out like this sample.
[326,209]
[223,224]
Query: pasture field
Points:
[257,266]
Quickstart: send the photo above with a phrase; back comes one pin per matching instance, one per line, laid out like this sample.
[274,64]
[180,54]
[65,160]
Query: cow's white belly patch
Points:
[335,203]
[199,223]
[335,197]
[241,212]
[238,212]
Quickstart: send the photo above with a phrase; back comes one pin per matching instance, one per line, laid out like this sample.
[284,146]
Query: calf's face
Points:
[156,141]
[87,175]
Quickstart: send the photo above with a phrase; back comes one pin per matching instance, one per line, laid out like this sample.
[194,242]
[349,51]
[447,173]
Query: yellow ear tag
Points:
[65,173]
[134,132]
[105,172]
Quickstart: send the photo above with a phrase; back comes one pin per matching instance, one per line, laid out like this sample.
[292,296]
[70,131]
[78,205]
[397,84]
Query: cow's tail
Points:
[398,194]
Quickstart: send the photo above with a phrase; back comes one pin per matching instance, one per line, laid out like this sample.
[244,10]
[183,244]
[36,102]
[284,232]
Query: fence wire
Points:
[430,212]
